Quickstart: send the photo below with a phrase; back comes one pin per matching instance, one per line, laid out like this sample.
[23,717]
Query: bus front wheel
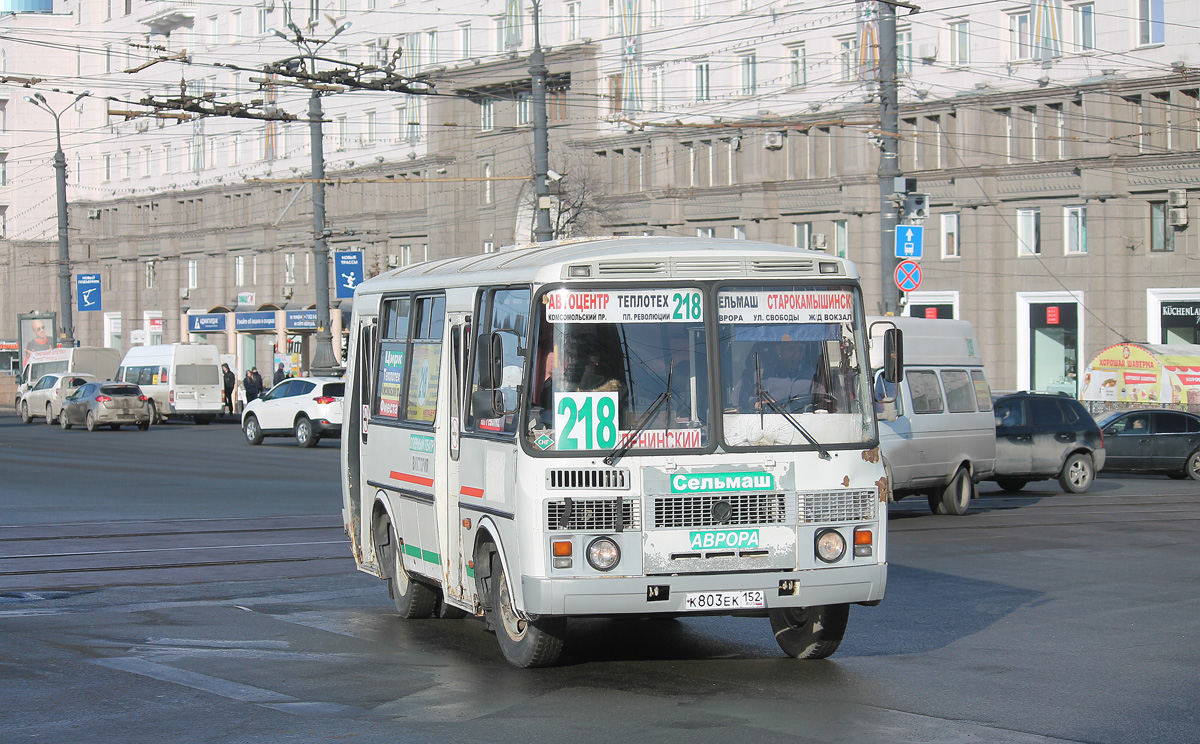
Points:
[413,599]
[525,643]
[810,632]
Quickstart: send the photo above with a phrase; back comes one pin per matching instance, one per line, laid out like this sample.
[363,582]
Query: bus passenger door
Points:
[362,404]
[454,566]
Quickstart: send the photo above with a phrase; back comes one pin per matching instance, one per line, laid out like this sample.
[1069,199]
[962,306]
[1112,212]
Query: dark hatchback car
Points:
[1153,441]
[112,404]
[1043,435]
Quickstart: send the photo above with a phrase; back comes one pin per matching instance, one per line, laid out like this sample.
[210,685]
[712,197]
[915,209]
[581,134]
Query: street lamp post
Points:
[542,231]
[66,327]
[324,361]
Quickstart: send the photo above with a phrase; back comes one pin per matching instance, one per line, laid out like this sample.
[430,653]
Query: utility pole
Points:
[324,362]
[542,232]
[65,324]
[889,160]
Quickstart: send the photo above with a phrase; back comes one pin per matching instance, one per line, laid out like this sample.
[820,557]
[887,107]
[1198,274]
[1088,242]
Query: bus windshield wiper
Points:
[627,444]
[769,400]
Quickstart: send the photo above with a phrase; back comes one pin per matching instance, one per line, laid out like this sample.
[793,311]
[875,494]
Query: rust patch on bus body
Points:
[882,485]
[871,455]
[846,482]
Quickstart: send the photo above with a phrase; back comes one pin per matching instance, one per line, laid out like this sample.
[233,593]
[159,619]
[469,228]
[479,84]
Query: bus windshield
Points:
[617,367]
[792,367]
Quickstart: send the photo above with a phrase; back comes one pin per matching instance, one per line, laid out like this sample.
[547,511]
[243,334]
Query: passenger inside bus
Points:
[791,373]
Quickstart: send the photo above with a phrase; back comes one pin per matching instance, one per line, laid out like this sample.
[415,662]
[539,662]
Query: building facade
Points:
[1059,144]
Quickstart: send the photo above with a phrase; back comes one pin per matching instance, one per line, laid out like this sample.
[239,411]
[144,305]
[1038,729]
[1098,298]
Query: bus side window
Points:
[425,359]
[505,309]
[392,357]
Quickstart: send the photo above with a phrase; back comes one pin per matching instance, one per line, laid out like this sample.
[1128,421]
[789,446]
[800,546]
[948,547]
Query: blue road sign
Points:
[87,293]
[908,275]
[348,270]
[909,239]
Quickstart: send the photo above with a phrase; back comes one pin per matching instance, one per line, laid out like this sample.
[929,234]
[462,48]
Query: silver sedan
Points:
[112,404]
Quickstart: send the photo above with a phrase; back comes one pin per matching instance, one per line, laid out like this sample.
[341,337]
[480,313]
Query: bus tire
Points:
[956,499]
[525,643]
[414,600]
[810,632]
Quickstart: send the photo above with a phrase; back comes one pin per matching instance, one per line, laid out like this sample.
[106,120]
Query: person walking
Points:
[279,374]
[258,380]
[230,381]
[251,386]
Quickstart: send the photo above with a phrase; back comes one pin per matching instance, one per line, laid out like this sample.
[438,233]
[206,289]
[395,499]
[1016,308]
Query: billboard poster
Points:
[36,333]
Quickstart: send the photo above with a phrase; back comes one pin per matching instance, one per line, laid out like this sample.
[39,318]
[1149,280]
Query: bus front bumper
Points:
[644,595]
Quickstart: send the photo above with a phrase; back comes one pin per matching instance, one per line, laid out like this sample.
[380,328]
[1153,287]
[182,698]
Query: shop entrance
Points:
[1054,347]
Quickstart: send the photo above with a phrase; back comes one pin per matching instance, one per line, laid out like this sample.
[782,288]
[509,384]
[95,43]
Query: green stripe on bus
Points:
[422,555]
[470,572]
[412,550]
[432,557]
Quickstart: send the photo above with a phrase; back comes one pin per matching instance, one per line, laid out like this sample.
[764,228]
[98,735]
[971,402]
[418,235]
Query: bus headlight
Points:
[831,546]
[603,554]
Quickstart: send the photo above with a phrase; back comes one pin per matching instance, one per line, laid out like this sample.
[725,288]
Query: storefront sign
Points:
[301,320]
[1052,315]
[206,323]
[255,321]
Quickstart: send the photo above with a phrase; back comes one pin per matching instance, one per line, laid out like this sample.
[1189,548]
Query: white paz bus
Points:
[634,426]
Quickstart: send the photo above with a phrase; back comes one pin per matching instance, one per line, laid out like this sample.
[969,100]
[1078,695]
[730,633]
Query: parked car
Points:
[100,362]
[1153,441]
[307,408]
[1045,435]
[112,404]
[46,396]
[936,428]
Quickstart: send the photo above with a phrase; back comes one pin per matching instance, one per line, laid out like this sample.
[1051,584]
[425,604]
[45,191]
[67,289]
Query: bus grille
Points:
[588,478]
[837,506]
[783,267]
[631,268]
[697,510]
[592,514]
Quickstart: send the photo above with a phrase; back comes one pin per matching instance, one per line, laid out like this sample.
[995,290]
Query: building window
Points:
[798,60]
[523,107]
[108,167]
[802,235]
[126,165]
[702,79]
[749,65]
[1075,229]
[960,43]
[699,8]
[489,246]
[239,271]
[289,268]
[1162,235]
[1009,134]
[1029,232]
[706,232]
[655,102]
[656,14]
[1085,27]
[904,52]
[573,21]
[846,59]
[369,139]
[1150,22]
[487,114]
[841,238]
[739,232]
[1020,39]
[951,248]
[193,273]
[149,275]
[146,162]
[488,192]
[464,41]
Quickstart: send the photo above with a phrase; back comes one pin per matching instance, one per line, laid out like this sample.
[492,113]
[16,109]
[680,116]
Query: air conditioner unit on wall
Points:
[927,52]
[818,242]
[141,125]
[184,293]
[773,140]
[393,260]
[93,214]
[1177,216]
[287,293]
[1177,197]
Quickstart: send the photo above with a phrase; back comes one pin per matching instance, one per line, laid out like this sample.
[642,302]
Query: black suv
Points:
[1043,435]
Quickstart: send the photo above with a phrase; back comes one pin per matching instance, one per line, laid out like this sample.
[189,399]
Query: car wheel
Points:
[25,417]
[1077,474]
[90,421]
[304,433]
[810,632]
[956,498]
[252,430]
[62,419]
[144,425]
[50,418]
[414,600]
[1192,469]
[154,419]
[526,643]
[1011,484]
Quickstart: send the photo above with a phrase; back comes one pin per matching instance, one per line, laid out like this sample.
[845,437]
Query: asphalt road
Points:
[179,585]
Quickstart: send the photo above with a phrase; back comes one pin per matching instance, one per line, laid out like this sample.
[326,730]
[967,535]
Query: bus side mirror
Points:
[496,359]
[489,404]
[893,356]
[887,410]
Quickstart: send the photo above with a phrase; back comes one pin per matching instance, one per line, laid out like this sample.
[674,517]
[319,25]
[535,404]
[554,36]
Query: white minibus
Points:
[617,427]
[98,361]
[180,379]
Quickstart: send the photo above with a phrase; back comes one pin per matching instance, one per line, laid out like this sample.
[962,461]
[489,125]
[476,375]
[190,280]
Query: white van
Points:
[97,361]
[179,379]
[938,436]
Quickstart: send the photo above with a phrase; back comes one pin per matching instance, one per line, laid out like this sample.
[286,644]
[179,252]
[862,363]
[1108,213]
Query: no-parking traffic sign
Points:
[908,276]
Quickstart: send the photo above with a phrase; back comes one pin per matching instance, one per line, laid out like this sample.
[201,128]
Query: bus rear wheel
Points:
[810,632]
[413,599]
[525,643]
